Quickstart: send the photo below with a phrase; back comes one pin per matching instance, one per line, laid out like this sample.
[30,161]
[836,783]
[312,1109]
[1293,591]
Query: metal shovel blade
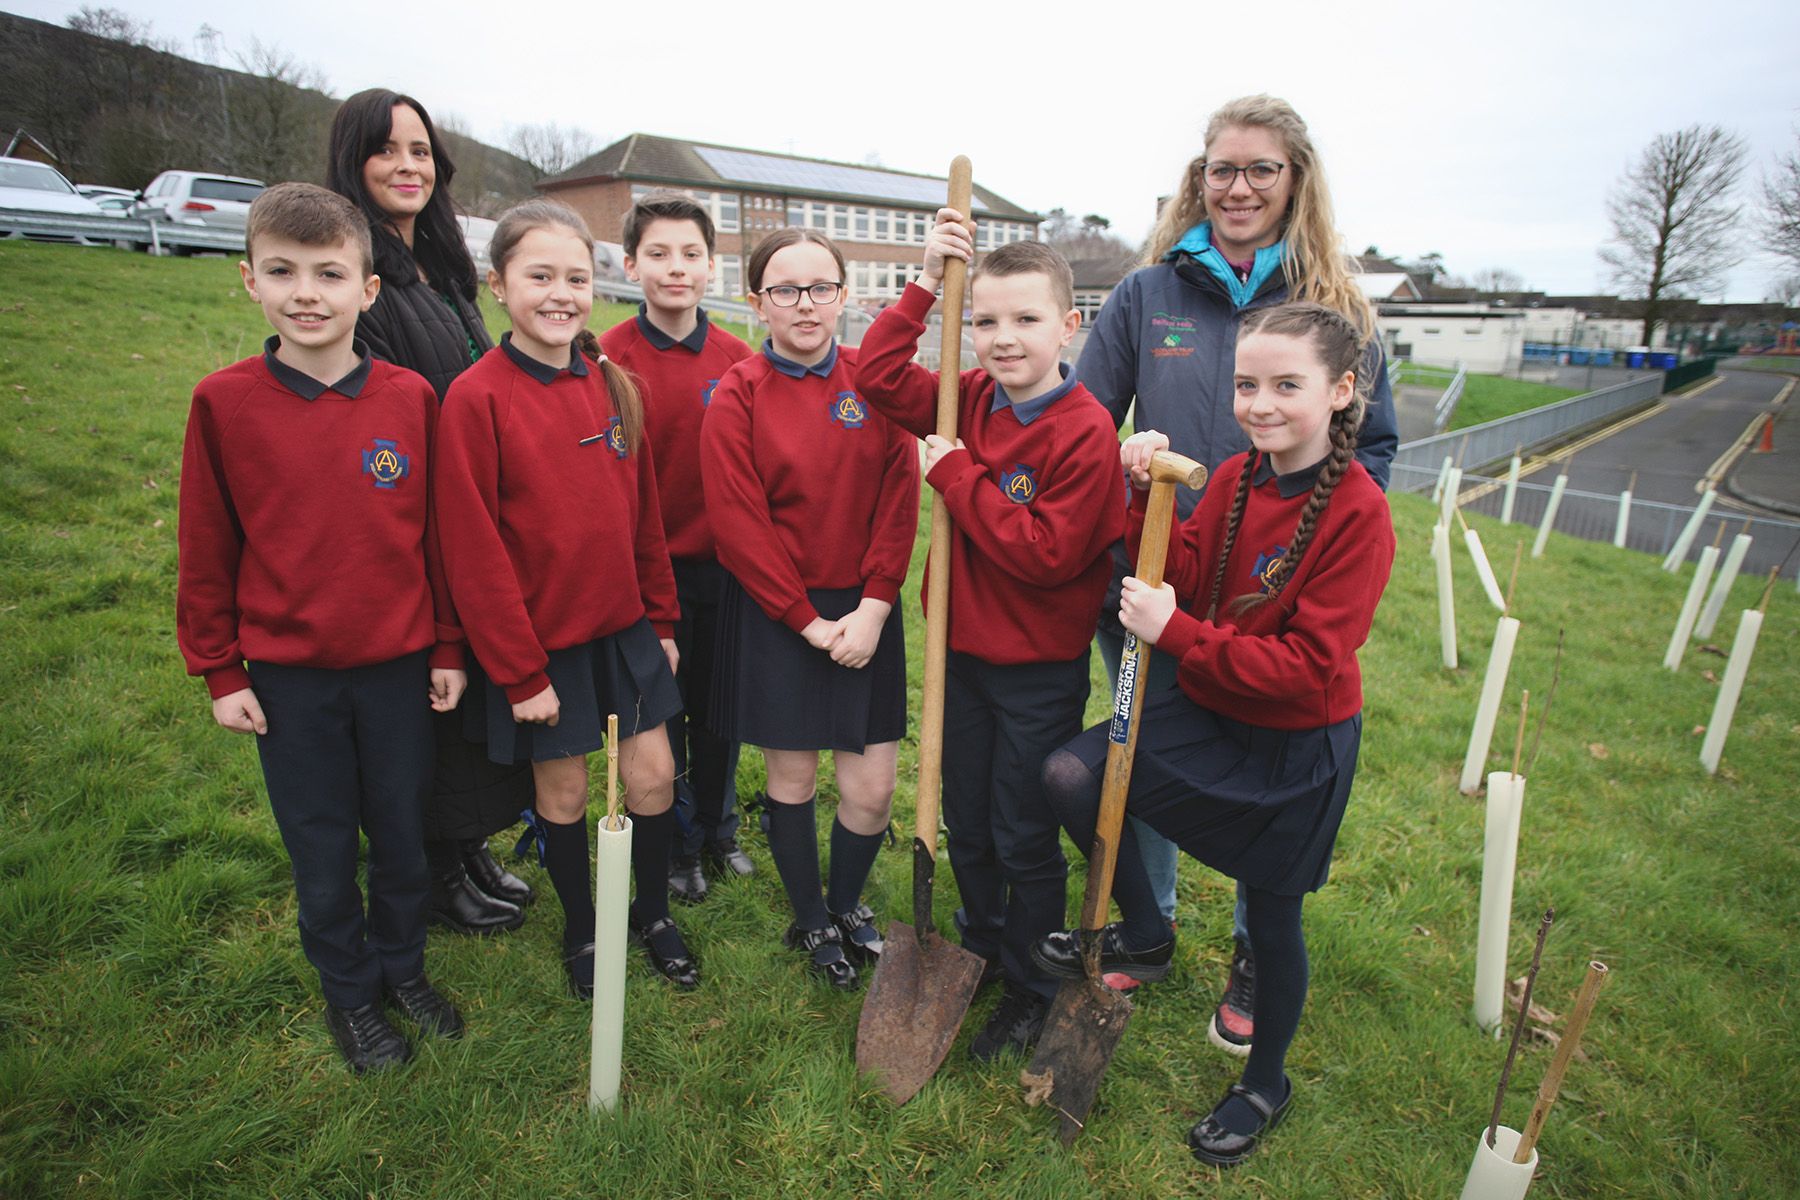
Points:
[914,1008]
[1086,1021]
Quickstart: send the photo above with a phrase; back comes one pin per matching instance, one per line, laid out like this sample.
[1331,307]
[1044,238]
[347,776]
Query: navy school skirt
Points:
[771,689]
[624,672]
[1260,805]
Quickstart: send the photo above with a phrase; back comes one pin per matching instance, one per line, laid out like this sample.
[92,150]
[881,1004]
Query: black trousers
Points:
[1000,723]
[705,763]
[347,750]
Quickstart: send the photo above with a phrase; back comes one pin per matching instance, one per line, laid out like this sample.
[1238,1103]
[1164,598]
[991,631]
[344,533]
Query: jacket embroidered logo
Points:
[1019,484]
[847,410]
[615,436]
[1265,567]
[384,461]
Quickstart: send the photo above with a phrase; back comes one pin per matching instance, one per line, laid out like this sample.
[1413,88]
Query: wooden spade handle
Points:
[1167,469]
[937,595]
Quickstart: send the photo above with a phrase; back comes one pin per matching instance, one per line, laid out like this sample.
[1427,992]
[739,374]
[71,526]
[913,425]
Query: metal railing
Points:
[1494,441]
[1651,526]
[106,231]
[1446,405]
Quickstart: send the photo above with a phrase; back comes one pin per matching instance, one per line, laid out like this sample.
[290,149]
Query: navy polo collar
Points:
[542,372]
[1294,483]
[794,370]
[694,342]
[308,388]
[1034,408]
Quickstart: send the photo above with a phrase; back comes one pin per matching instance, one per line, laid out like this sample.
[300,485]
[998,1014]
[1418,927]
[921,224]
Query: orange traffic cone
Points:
[1766,445]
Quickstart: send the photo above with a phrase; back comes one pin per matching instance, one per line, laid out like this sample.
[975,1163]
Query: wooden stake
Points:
[1565,1050]
[1519,738]
[1518,553]
[1768,591]
[1537,956]
[1631,484]
[1460,519]
[1462,450]
[1719,536]
[612,771]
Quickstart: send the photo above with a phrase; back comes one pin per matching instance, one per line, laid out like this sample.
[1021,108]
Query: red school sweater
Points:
[551,532]
[806,487]
[676,380]
[303,524]
[1290,664]
[1036,502]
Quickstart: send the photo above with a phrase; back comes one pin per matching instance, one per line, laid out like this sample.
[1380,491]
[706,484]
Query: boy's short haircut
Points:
[665,206]
[1027,258]
[311,215]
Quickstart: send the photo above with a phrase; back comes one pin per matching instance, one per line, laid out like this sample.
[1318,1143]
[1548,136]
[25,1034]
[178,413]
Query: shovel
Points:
[923,985]
[1087,1018]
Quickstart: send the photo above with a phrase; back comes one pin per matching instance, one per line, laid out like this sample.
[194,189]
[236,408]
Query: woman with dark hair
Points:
[386,158]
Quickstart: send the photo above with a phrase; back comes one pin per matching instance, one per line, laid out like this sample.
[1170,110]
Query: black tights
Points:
[1273,920]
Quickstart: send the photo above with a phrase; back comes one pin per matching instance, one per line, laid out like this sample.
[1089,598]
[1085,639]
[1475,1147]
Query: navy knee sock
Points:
[1281,979]
[651,838]
[570,864]
[794,845]
[1074,793]
[852,858]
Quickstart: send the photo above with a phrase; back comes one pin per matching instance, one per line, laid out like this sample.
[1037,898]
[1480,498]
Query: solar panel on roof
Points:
[770,170]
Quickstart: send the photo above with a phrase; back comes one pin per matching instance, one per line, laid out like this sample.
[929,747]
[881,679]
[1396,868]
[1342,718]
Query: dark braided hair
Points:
[1340,346]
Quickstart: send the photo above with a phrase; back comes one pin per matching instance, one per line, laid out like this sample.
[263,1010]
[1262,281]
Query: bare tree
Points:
[1498,279]
[278,134]
[1780,216]
[550,148]
[1672,218]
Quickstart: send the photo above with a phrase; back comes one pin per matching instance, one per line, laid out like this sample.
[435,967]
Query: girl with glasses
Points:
[813,499]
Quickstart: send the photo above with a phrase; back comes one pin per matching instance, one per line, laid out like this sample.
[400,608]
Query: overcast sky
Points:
[1490,133]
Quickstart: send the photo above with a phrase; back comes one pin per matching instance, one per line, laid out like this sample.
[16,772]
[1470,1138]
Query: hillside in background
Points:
[113,110]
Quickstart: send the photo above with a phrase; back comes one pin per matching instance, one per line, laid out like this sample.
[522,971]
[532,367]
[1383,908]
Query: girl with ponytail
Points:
[553,548]
[1247,765]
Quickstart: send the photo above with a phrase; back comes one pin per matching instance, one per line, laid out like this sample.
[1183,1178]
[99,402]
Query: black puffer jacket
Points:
[413,326]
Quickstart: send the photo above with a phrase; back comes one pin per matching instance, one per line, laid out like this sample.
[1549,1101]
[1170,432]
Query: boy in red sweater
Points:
[310,599]
[678,358]
[1034,489]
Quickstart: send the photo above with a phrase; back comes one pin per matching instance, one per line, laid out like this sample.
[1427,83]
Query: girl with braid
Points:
[1272,586]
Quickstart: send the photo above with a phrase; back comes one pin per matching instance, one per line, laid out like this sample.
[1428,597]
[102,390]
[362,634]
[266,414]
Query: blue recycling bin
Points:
[1663,361]
[1635,358]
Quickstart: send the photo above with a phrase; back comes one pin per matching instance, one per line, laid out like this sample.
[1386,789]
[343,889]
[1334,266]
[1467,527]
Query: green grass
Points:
[1490,397]
[160,1031]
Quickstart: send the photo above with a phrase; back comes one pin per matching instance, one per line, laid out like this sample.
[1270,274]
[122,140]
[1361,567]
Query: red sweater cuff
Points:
[951,468]
[1180,635]
[915,303]
[227,680]
[534,683]
[887,590]
[447,656]
[802,614]
[665,630]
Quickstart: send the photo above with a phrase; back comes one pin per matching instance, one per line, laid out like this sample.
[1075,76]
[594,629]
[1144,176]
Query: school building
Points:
[878,217]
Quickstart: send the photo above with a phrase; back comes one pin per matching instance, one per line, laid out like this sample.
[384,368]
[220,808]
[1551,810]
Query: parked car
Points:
[477,233]
[27,186]
[198,198]
[114,202]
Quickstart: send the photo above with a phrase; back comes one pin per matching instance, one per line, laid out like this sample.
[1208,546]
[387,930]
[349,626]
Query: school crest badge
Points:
[384,461]
[615,437]
[1019,484]
[848,410]
[706,393]
[1264,570]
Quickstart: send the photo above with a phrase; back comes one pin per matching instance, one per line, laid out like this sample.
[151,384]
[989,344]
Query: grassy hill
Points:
[160,1032]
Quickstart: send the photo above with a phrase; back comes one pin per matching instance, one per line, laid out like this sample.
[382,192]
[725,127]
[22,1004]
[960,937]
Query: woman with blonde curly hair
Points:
[1249,226]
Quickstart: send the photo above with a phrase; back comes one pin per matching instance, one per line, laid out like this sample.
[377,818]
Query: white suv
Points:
[197,198]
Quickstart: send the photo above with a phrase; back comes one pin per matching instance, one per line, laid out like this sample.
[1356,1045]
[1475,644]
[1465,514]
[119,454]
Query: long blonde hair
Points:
[1315,265]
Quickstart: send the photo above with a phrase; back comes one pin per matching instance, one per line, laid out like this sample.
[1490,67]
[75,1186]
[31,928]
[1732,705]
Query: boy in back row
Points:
[677,357]
[311,600]
[1034,489]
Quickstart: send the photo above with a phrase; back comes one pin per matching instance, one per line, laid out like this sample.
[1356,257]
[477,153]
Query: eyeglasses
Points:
[1259,175]
[786,295]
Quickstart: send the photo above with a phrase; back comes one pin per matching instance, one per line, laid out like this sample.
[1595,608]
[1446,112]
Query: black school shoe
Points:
[667,952]
[726,857]
[862,942]
[426,1007]
[458,903]
[687,882]
[493,878]
[1059,954]
[365,1039]
[1015,1024]
[578,966]
[825,946]
[1212,1143]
